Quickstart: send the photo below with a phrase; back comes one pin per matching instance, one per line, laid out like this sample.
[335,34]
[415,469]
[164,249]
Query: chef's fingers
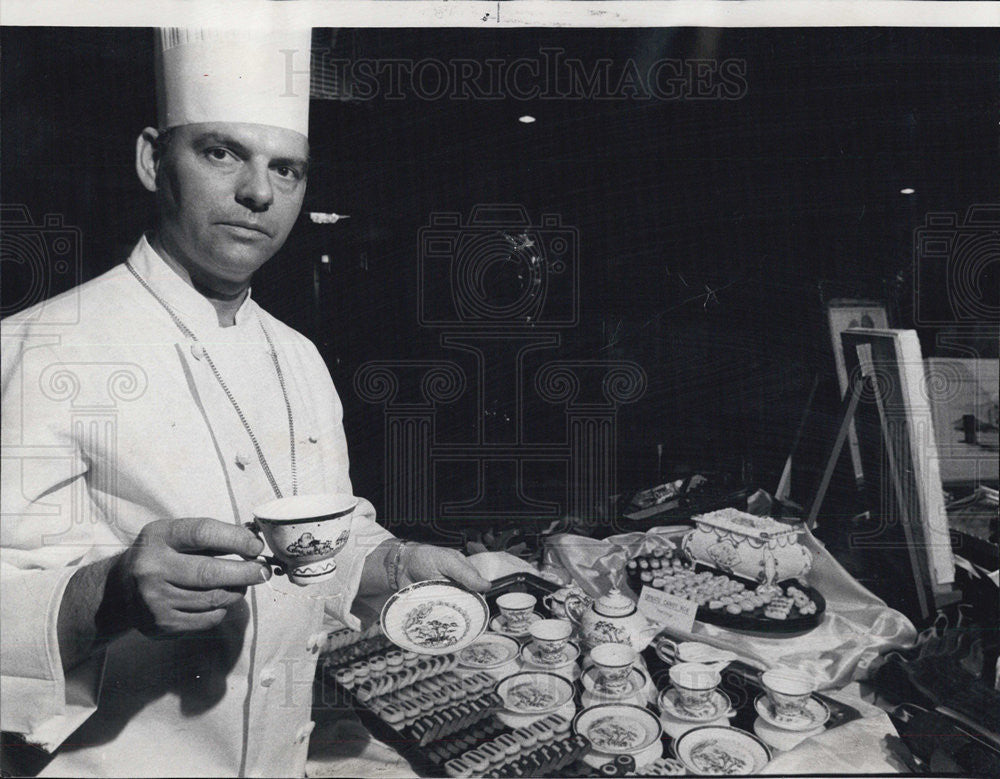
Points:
[196,601]
[201,572]
[203,534]
[455,566]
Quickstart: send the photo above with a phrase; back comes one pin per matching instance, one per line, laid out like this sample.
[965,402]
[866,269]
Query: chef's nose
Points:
[254,190]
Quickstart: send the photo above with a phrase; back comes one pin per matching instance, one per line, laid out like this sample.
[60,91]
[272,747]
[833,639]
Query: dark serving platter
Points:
[753,621]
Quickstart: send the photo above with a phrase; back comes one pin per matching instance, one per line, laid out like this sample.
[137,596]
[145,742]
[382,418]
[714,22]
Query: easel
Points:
[894,455]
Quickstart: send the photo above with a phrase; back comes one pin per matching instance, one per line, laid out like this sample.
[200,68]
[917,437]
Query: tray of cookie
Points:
[439,713]
[789,606]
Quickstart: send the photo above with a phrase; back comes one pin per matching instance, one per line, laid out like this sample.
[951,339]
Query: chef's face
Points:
[228,195]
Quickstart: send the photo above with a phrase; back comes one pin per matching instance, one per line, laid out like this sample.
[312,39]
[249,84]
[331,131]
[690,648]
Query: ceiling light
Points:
[907,191]
[526,119]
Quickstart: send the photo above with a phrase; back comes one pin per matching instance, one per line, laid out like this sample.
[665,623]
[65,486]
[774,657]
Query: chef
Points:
[145,414]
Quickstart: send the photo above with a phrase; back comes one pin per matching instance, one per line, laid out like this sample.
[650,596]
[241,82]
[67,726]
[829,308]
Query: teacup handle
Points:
[277,567]
[575,606]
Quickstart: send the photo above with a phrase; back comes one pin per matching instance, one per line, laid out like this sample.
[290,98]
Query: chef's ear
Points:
[148,152]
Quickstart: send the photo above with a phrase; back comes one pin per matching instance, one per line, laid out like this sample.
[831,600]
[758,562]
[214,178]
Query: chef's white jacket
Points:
[111,419]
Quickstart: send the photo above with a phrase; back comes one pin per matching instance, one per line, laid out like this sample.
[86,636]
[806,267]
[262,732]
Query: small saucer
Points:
[499,625]
[811,717]
[718,705]
[636,683]
[568,655]
[781,739]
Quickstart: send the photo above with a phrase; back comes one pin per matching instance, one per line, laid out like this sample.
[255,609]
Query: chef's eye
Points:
[219,154]
[288,172]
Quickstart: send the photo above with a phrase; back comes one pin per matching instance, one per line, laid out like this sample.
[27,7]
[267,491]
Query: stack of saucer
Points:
[616,729]
[550,648]
[529,696]
[788,714]
[678,719]
[694,700]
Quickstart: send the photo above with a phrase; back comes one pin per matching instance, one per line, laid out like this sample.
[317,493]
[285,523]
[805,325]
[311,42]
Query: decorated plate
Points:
[592,683]
[618,728]
[713,750]
[499,625]
[812,716]
[569,654]
[532,692]
[490,650]
[718,705]
[434,617]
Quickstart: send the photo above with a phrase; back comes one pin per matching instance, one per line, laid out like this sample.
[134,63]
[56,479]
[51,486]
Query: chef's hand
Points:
[172,581]
[423,561]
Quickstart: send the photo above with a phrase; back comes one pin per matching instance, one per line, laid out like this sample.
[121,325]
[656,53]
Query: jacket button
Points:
[197,351]
[316,642]
[267,677]
[304,732]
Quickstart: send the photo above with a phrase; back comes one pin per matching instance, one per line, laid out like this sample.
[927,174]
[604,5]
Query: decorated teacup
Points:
[550,636]
[694,683]
[305,532]
[614,664]
[788,689]
[517,608]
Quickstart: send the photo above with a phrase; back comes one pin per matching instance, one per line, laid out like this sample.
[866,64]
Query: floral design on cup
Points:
[307,545]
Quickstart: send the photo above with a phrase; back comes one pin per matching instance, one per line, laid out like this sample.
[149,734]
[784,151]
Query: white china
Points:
[306,532]
[489,651]
[517,609]
[634,684]
[757,548]
[694,683]
[534,692]
[618,728]
[499,625]
[718,705]
[788,689]
[613,663]
[550,637]
[612,618]
[721,751]
[814,714]
[532,657]
[434,617]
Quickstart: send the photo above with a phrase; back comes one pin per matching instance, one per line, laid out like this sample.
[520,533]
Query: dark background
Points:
[779,201]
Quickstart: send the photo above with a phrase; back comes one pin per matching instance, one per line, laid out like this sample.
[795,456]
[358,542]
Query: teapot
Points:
[612,618]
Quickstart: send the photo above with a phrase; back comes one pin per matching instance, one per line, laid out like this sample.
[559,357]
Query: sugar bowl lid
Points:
[614,604]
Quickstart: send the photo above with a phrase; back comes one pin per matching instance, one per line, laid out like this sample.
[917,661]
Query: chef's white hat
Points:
[254,76]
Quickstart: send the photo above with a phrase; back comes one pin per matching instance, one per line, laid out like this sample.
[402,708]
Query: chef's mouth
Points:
[247,226]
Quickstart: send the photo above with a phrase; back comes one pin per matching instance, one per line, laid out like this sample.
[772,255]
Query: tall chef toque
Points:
[253,76]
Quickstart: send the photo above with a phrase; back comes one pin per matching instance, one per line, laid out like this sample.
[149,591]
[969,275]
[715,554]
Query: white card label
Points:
[666,610]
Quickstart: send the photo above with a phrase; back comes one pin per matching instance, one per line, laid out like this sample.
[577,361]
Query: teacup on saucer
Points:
[718,705]
[594,682]
[531,656]
[499,625]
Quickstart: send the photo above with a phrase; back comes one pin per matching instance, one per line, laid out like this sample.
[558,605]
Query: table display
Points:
[544,691]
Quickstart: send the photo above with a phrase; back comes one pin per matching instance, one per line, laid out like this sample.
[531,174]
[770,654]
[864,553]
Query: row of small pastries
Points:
[385,682]
[507,747]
